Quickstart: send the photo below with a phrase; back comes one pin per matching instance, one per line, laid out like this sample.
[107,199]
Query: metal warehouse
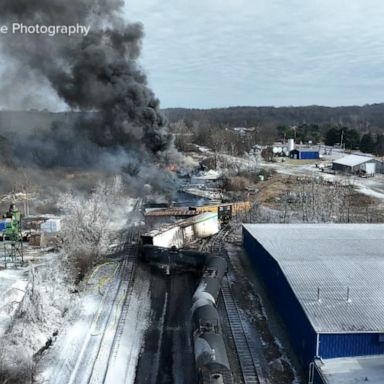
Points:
[326,281]
[304,154]
[354,164]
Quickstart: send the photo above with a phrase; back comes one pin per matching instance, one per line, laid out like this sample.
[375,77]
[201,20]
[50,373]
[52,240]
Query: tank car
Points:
[208,288]
[216,267]
[205,318]
[211,358]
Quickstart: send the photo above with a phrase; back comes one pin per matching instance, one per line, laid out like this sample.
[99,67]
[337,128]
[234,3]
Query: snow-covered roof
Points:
[333,258]
[352,370]
[352,160]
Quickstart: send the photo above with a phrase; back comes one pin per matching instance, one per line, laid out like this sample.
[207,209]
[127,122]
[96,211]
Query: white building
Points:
[355,164]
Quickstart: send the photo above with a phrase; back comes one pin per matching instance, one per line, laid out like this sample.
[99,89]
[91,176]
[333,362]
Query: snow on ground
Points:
[43,309]
[87,347]
[209,175]
[372,186]
[59,362]
[122,367]
[202,149]
[13,283]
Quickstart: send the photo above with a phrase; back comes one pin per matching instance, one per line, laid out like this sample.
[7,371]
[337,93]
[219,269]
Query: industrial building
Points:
[304,154]
[355,164]
[326,281]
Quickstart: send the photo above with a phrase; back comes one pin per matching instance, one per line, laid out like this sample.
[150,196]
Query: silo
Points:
[291,145]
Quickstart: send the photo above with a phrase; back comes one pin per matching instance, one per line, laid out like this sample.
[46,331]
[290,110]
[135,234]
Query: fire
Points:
[172,168]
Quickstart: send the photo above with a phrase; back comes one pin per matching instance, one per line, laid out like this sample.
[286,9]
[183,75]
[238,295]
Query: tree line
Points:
[221,138]
[361,118]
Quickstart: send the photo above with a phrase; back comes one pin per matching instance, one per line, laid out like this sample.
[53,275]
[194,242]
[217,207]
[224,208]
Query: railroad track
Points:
[103,340]
[248,352]
[109,346]
[246,348]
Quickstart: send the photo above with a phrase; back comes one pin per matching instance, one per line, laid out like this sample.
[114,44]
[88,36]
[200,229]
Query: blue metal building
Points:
[326,281]
[304,154]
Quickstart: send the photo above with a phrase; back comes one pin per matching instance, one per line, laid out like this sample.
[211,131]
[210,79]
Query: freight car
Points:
[216,267]
[209,286]
[205,318]
[225,211]
[211,358]
[172,258]
[210,354]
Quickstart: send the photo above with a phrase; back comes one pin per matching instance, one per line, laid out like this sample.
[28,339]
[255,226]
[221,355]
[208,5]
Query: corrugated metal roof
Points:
[332,257]
[352,160]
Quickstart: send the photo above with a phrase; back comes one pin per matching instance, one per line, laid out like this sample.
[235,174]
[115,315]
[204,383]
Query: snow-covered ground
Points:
[372,186]
[13,283]
[123,362]
[87,351]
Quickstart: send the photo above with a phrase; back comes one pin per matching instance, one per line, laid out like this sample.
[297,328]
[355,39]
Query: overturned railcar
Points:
[172,258]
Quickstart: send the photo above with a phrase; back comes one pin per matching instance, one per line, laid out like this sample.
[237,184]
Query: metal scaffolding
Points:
[12,239]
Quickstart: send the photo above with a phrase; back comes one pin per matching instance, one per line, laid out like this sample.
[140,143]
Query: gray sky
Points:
[217,53]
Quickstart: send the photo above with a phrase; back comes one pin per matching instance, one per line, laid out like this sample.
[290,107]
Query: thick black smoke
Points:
[120,124]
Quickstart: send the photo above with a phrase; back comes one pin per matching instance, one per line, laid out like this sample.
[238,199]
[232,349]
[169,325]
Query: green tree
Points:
[332,136]
[367,143]
[379,145]
[351,138]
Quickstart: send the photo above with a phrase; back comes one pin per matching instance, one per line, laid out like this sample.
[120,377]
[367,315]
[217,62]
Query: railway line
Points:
[107,354]
[100,347]
[248,351]
[92,355]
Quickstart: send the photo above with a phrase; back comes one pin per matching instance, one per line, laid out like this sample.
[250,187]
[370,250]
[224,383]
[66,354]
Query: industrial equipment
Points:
[12,238]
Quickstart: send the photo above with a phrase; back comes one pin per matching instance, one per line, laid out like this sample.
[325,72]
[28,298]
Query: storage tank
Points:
[291,145]
[277,150]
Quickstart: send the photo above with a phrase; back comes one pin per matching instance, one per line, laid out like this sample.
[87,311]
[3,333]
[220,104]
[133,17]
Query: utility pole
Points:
[341,138]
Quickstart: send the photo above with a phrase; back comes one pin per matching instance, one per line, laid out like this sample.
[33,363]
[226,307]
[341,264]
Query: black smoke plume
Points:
[117,124]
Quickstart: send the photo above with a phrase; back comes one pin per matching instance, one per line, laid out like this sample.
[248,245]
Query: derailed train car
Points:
[210,353]
[173,259]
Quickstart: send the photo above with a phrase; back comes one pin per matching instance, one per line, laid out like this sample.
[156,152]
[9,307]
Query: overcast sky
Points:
[217,53]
